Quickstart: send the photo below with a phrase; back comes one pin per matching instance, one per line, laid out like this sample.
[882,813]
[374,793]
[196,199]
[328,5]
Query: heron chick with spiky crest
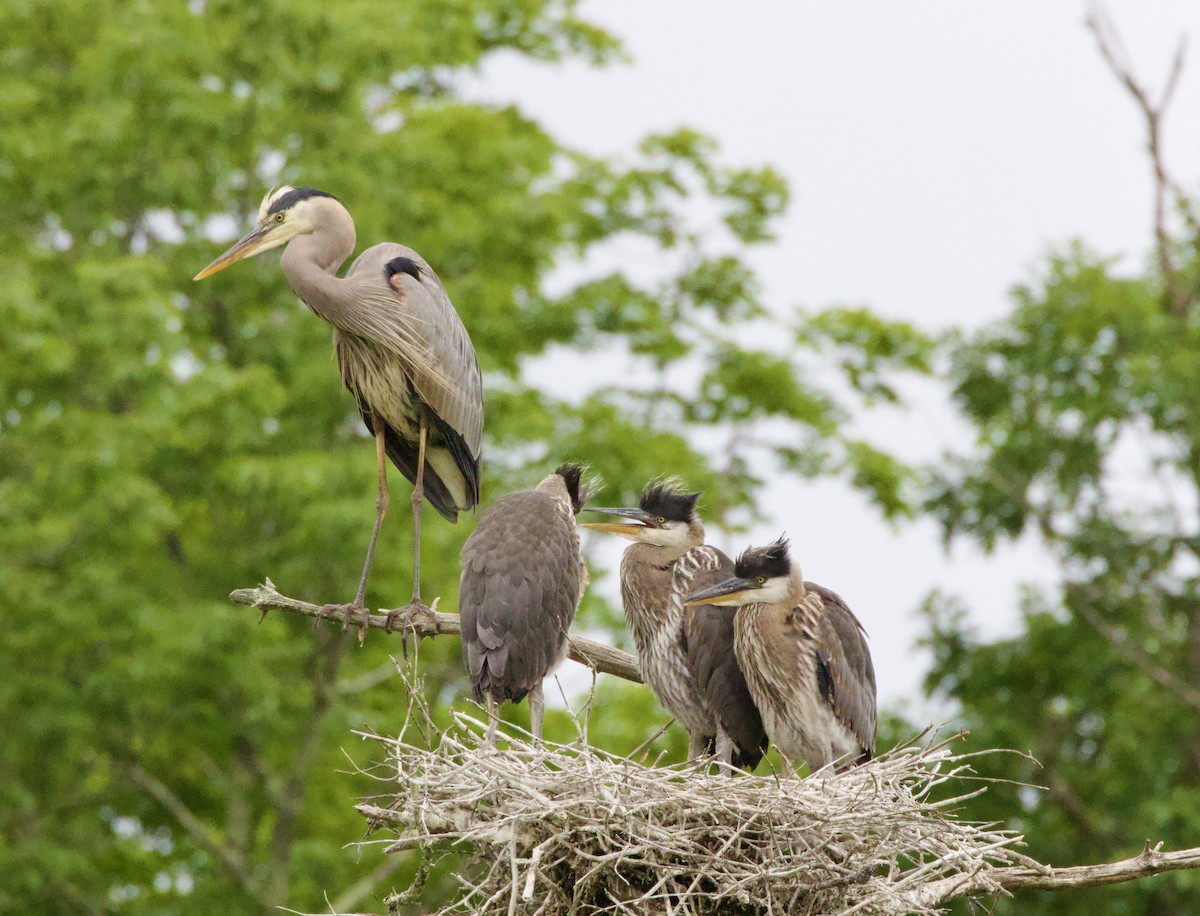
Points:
[403,352]
[685,655]
[522,578]
[805,658]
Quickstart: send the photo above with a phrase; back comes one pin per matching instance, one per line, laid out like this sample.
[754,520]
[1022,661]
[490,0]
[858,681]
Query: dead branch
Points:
[1112,49]
[1151,861]
[429,623]
[235,865]
[1126,648]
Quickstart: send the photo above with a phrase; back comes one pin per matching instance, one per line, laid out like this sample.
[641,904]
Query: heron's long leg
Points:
[381,506]
[493,711]
[537,712]
[724,747]
[417,498]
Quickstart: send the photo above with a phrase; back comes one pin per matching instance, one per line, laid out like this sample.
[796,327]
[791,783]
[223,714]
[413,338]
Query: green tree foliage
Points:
[1084,403]
[163,443]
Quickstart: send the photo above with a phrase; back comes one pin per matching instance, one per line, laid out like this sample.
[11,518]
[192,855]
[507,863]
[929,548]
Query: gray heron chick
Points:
[685,655]
[522,578]
[805,657]
[403,353]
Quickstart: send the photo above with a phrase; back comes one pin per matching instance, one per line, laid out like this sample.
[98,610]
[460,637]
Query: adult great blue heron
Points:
[522,578]
[805,657]
[403,352]
[686,656]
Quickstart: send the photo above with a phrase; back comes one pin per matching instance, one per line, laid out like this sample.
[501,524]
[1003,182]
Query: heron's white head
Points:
[284,214]
[763,575]
[665,517]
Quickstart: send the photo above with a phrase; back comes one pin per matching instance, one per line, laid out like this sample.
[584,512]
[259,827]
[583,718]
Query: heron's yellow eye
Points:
[760,580]
[279,217]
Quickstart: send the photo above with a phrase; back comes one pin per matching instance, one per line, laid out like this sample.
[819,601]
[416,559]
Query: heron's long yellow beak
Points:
[637,521]
[614,527]
[733,592]
[258,241]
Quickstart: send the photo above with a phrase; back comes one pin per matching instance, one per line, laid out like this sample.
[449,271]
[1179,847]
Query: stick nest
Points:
[573,829]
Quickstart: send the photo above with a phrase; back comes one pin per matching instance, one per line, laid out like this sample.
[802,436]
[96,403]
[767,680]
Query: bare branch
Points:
[1124,647]
[354,894]
[325,659]
[1108,40]
[368,680]
[428,623]
[237,866]
[1151,861]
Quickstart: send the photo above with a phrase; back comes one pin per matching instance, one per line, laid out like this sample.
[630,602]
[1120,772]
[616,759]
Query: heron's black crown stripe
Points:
[770,562]
[401,266]
[572,475]
[663,499]
[293,197]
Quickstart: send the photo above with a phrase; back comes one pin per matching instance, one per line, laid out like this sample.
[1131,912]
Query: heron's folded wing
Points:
[708,631]
[414,316]
[845,671]
[520,586]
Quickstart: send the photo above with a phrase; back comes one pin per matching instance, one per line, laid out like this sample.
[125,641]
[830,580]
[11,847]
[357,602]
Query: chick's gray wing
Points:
[846,673]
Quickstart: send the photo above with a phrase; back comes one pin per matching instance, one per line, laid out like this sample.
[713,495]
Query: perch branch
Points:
[1151,861]
[428,622]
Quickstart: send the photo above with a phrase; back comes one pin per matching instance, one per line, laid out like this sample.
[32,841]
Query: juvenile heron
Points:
[686,656]
[805,657]
[403,352]
[522,578]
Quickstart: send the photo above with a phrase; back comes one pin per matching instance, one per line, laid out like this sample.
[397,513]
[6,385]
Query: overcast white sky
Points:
[935,150]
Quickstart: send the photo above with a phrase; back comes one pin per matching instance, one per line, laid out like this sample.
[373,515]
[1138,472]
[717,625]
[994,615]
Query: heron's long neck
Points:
[310,263]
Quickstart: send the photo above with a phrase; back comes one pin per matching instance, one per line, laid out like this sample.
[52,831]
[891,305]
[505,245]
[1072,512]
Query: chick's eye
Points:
[661,520]
[279,217]
[760,580]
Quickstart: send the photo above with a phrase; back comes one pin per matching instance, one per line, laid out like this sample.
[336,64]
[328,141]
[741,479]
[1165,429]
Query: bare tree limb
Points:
[1112,49]
[325,660]
[429,622]
[237,867]
[1124,647]
[354,894]
[1151,861]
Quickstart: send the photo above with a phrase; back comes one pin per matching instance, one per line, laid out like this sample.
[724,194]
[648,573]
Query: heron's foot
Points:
[415,615]
[350,612]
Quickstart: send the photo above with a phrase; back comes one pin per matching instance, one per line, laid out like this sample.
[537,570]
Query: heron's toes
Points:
[415,616]
[348,613]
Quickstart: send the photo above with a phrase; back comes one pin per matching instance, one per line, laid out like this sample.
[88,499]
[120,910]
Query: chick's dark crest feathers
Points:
[770,562]
[577,487]
[294,196]
[667,500]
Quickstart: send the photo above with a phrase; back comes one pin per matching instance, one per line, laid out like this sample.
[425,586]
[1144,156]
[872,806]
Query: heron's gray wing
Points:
[708,632]
[845,673]
[410,314]
[520,584]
